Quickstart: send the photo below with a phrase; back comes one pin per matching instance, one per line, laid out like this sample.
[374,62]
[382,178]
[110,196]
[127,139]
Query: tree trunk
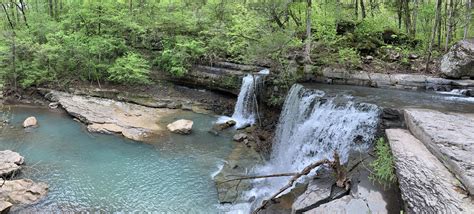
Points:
[8,16]
[362,8]
[450,25]
[406,10]
[307,49]
[399,13]
[433,32]
[415,19]
[468,18]
[50,8]
[356,9]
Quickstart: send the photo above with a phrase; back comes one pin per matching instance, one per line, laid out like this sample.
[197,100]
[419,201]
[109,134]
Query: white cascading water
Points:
[310,128]
[245,111]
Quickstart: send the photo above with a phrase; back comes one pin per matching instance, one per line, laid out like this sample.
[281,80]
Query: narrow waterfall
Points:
[246,108]
[310,128]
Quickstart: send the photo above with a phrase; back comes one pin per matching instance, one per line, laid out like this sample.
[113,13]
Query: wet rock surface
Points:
[239,163]
[135,122]
[426,184]
[459,61]
[364,195]
[10,163]
[449,137]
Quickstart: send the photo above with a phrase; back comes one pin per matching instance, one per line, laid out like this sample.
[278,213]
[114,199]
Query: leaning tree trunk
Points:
[433,32]
[468,18]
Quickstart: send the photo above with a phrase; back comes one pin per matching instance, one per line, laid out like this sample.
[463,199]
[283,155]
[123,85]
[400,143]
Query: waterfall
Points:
[245,111]
[310,128]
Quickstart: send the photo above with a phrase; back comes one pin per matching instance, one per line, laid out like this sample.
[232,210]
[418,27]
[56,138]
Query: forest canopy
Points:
[58,42]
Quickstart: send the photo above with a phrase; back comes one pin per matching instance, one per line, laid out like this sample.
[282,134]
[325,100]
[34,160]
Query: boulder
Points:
[30,122]
[426,185]
[10,162]
[459,61]
[22,191]
[181,126]
[239,137]
[221,126]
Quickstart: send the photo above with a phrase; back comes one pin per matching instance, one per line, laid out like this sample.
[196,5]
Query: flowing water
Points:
[312,126]
[96,172]
[246,108]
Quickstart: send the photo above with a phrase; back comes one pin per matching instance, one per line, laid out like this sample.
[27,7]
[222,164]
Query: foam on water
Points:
[311,128]
[245,111]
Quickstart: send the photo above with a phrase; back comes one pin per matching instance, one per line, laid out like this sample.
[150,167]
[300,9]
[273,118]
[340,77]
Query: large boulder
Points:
[459,61]
[5,207]
[22,191]
[9,162]
[30,122]
[181,126]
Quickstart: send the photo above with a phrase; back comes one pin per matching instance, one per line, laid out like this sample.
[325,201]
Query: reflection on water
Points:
[95,172]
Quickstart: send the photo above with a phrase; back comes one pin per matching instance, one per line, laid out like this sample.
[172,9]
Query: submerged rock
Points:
[239,163]
[459,61]
[10,163]
[30,122]
[22,191]
[181,126]
[133,121]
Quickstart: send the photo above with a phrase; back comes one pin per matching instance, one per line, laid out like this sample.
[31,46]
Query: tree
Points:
[436,25]
[307,50]
[468,18]
[130,69]
[450,23]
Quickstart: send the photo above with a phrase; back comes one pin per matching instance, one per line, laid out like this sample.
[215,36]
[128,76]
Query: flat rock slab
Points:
[450,137]
[426,185]
[9,162]
[133,121]
[22,191]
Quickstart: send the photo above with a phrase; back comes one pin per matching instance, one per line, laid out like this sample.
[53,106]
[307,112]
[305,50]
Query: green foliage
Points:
[130,69]
[83,39]
[179,56]
[349,56]
[384,171]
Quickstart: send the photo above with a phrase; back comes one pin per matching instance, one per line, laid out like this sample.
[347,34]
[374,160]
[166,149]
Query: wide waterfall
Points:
[246,108]
[311,127]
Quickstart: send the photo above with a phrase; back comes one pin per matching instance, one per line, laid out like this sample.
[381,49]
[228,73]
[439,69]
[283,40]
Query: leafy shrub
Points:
[130,69]
[178,57]
[384,171]
[349,57]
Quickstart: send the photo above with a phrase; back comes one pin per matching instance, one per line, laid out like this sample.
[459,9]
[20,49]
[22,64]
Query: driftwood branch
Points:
[260,176]
[304,172]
